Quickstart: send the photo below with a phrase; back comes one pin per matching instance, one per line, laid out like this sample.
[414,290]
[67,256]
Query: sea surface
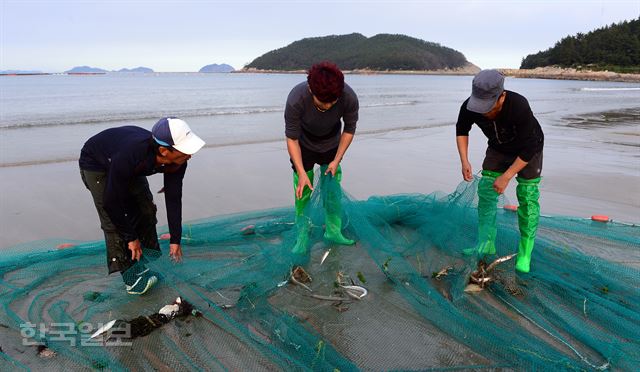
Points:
[46,119]
[404,143]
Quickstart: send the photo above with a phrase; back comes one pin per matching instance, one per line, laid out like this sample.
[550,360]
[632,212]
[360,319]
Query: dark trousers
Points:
[140,210]
[499,162]
[310,158]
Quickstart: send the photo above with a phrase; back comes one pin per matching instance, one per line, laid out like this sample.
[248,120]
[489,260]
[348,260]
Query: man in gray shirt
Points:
[315,135]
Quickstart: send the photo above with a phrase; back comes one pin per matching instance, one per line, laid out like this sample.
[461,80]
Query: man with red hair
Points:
[315,135]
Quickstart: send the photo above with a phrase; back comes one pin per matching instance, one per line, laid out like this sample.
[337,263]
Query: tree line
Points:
[615,48]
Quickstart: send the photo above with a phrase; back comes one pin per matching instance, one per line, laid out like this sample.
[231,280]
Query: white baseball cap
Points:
[174,132]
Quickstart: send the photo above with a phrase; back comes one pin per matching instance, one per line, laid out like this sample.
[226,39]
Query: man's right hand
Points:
[467,173]
[303,181]
[136,250]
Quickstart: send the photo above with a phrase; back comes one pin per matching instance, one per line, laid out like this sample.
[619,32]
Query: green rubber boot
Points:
[528,216]
[333,208]
[303,223]
[487,210]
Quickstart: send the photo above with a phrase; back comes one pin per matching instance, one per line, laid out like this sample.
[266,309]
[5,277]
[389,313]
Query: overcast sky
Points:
[172,35]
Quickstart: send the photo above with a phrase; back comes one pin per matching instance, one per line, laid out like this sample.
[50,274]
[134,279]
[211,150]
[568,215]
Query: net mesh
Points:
[578,309]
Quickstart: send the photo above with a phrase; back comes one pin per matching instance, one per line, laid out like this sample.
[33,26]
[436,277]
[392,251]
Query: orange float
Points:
[600,218]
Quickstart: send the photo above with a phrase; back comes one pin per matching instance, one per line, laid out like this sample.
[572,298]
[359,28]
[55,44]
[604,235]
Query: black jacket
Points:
[125,153]
[514,132]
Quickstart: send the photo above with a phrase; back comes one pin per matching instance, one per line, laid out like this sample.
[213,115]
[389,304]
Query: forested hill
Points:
[615,48]
[355,51]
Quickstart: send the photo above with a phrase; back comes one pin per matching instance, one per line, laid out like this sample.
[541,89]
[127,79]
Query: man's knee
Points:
[533,168]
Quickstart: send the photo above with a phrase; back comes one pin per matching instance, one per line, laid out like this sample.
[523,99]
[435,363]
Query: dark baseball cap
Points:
[485,90]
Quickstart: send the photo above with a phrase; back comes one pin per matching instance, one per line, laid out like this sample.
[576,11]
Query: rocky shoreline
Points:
[470,69]
[570,74]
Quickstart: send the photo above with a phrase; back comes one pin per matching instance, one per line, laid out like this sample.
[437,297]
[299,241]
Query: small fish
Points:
[472,288]
[171,310]
[481,280]
[441,273]
[104,328]
[324,256]
[499,261]
[353,289]
[481,277]
[293,279]
[353,295]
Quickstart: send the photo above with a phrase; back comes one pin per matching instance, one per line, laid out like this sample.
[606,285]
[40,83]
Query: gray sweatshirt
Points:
[319,131]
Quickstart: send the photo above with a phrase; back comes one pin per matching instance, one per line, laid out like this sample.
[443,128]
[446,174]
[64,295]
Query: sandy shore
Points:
[583,176]
[468,69]
[555,73]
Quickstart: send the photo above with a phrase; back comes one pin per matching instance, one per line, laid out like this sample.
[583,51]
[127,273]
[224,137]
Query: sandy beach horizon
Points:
[549,72]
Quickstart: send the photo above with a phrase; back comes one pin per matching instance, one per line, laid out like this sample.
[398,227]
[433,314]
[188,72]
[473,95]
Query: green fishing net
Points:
[578,308]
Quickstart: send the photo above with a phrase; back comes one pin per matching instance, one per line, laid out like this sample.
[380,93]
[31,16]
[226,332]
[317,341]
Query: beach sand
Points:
[585,172]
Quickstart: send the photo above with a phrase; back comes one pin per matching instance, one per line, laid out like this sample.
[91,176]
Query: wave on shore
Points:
[153,115]
[361,132]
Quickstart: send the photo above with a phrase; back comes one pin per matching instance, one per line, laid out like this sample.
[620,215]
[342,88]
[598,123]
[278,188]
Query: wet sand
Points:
[585,172]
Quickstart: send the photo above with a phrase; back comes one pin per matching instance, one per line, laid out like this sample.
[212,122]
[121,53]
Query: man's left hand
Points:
[501,183]
[332,167]
[175,252]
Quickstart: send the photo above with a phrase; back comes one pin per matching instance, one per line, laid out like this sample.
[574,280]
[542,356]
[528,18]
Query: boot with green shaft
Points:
[333,208]
[528,194]
[303,223]
[487,210]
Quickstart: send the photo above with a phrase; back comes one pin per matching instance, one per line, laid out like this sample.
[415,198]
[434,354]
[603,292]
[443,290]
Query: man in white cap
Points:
[515,148]
[113,165]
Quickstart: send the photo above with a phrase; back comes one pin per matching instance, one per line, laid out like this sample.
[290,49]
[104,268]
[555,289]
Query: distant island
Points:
[21,72]
[215,68]
[86,70]
[95,70]
[614,48]
[355,52]
[138,70]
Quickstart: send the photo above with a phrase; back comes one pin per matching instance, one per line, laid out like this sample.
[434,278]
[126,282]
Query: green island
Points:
[355,52]
[610,53]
